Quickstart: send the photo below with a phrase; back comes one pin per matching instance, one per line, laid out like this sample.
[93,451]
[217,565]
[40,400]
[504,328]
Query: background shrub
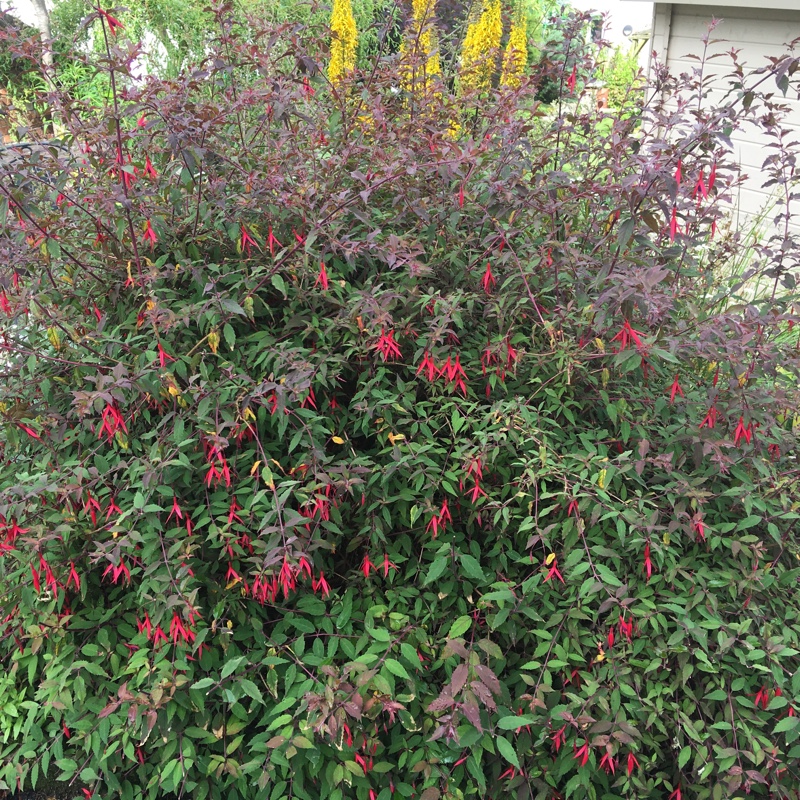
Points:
[359,442]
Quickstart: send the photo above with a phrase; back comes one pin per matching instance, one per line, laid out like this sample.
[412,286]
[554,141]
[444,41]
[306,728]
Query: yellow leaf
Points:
[255,467]
[395,437]
[599,345]
[601,655]
[550,559]
[338,439]
[213,341]
[601,479]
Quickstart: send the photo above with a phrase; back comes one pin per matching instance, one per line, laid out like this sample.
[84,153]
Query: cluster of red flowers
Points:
[111,422]
[179,631]
[438,521]
[178,513]
[218,469]
[627,336]
[451,370]
[388,347]
[492,358]
[10,531]
[117,571]
[625,629]
[367,565]
[474,470]
[265,589]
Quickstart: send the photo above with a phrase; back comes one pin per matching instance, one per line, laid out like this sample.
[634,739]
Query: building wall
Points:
[757,33]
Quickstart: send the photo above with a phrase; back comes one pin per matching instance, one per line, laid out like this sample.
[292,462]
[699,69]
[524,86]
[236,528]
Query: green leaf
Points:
[251,690]
[435,570]
[786,724]
[472,568]
[513,723]
[203,683]
[460,626]
[396,668]
[232,665]
[506,750]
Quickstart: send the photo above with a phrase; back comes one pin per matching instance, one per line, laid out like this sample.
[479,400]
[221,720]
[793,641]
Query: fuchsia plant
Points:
[365,444]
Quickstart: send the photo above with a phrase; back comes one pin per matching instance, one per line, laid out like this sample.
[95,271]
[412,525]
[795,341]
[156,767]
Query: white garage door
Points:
[757,34]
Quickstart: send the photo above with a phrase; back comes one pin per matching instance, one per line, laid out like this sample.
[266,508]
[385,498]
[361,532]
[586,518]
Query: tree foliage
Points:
[356,444]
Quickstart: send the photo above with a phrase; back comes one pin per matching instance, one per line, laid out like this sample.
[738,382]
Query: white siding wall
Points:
[757,33]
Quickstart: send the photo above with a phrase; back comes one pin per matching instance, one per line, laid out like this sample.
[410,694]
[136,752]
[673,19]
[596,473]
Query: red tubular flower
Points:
[582,754]
[163,356]
[37,584]
[308,89]
[675,390]
[142,121]
[559,737]
[678,172]
[553,571]
[632,763]
[461,196]
[4,304]
[388,347]
[367,565]
[145,627]
[246,241]
[73,577]
[573,79]
[610,637]
[627,335]
[488,281]
[232,515]
[712,176]
[608,763]
[32,433]
[305,567]
[159,636]
[427,367]
[699,527]
[149,234]
[673,224]
[177,511]
[700,188]
[648,564]
[676,795]
[743,432]
[387,565]
[272,241]
[322,278]
[322,585]
[112,507]
[710,419]
[113,22]
[762,697]
[64,728]
[149,169]
[111,421]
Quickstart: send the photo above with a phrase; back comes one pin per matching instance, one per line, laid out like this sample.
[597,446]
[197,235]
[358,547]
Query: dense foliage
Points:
[361,442]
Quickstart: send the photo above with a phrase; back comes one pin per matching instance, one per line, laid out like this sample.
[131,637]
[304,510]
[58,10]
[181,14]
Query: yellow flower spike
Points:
[344,40]
[421,36]
[515,57]
[481,45]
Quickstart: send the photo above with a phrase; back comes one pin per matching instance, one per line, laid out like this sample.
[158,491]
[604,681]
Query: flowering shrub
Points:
[359,447]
